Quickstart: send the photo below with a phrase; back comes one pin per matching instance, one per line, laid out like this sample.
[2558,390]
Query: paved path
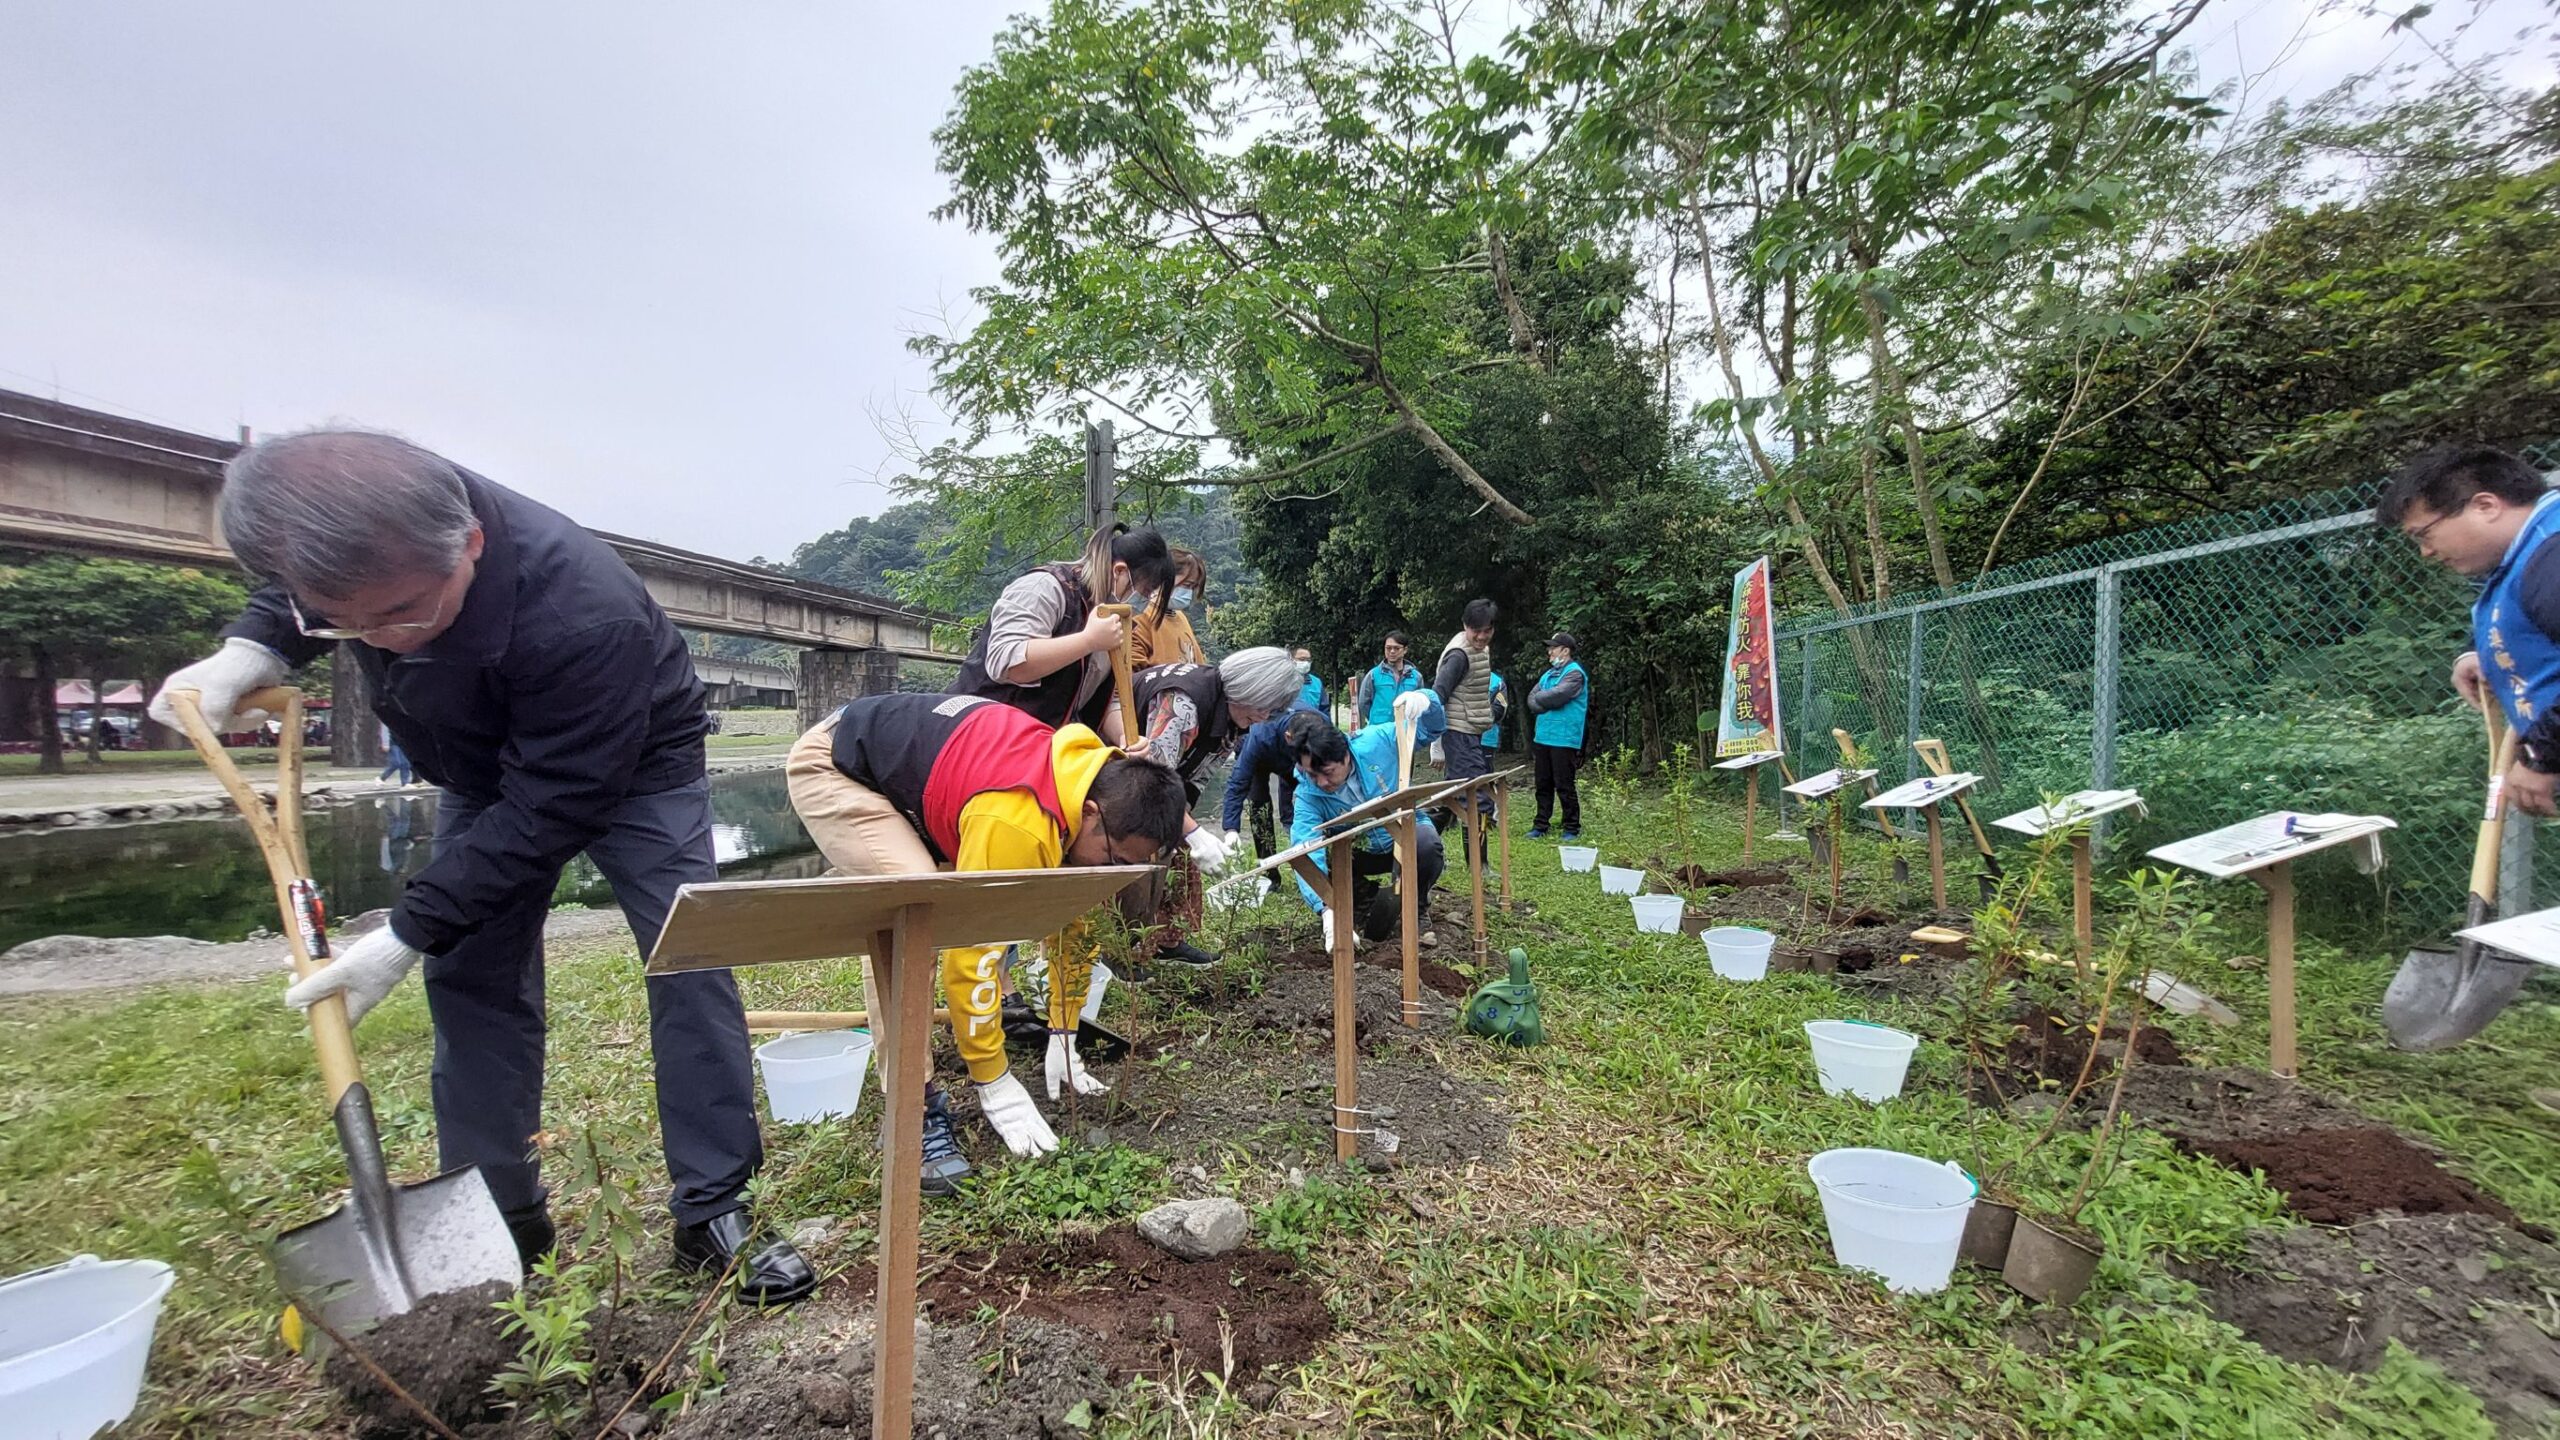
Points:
[93,795]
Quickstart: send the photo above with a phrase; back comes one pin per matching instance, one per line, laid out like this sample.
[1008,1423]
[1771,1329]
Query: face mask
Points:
[1182,597]
[1305,665]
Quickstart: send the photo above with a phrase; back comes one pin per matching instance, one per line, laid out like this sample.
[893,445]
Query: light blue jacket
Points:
[1373,773]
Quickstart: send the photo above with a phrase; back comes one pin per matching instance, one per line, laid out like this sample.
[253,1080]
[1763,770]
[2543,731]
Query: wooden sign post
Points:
[1934,754]
[1749,768]
[1925,795]
[2077,810]
[900,921]
[2264,850]
[1832,784]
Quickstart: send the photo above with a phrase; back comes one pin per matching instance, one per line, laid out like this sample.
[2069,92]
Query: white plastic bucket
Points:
[1658,913]
[1620,880]
[1739,952]
[816,1076]
[1578,857]
[1895,1215]
[73,1339]
[1859,1057]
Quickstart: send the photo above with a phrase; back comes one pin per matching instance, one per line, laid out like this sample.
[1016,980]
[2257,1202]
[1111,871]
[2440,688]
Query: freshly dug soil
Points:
[2045,1053]
[1016,1380]
[2460,1290]
[442,1353]
[2226,1103]
[1300,999]
[1277,1106]
[1147,1310]
[2332,1177]
[1739,878]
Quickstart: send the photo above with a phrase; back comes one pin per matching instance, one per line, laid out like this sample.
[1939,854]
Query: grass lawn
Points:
[1648,1258]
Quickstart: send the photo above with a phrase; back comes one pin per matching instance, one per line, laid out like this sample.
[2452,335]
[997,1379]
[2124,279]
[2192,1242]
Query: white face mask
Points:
[1182,597]
[1305,665]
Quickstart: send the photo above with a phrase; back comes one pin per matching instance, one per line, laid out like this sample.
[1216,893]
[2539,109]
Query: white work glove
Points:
[1093,992]
[219,680]
[1328,932]
[1234,841]
[1066,1066]
[1009,1108]
[1207,850]
[366,971]
[1412,704]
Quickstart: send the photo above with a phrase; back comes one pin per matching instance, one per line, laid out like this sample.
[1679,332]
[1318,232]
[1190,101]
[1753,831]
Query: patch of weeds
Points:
[1096,1184]
[1301,1217]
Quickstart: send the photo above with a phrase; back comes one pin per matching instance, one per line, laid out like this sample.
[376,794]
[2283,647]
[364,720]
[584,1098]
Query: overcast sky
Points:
[652,263]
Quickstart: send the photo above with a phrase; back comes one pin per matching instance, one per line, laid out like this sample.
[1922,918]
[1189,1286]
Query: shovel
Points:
[389,1246]
[2441,998]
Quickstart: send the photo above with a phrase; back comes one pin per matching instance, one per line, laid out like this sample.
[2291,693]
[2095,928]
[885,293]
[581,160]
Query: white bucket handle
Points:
[76,1262]
[1950,1164]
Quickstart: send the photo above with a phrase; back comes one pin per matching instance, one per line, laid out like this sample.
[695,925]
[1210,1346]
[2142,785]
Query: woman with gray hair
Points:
[1191,712]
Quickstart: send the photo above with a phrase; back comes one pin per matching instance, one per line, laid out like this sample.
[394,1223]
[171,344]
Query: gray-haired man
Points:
[528,674]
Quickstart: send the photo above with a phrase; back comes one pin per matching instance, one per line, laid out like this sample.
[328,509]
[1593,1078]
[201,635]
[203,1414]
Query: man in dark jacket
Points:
[527,674]
[1262,761]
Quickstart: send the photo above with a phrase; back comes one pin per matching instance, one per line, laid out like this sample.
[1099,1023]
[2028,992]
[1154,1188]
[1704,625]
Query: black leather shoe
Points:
[770,1269]
[1183,952]
[534,1232]
[1024,1027]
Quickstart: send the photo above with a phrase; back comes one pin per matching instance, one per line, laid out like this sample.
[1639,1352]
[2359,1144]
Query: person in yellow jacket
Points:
[908,784]
[1165,637]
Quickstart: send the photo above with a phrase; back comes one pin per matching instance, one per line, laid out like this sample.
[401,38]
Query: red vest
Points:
[995,747]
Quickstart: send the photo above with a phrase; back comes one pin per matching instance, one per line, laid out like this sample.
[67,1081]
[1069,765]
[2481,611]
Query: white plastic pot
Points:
[816,1076]
[1578,857]
[1894,1215]
[1859,1057]
[1620,880]
[73,1339]
[1739,952]
[1659,914]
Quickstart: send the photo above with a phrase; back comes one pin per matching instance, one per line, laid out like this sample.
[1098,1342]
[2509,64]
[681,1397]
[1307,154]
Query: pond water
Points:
[203,878]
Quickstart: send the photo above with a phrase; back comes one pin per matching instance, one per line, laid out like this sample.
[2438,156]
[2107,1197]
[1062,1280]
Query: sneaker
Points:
[1537,832]
[1186,953]
[945,1168]
[1570,836]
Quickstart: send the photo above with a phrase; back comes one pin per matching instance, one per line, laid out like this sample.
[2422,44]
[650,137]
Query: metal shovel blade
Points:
[391,1246]
[2441,998]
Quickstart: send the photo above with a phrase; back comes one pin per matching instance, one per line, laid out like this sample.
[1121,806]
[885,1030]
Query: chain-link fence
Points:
[2293,658]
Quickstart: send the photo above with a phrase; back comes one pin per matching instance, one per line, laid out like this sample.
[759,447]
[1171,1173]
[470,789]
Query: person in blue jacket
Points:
[1560,701]
[1262,760]
[1337,772]
[1393,675]
[1311,694]
[1501,711]
[2484,513]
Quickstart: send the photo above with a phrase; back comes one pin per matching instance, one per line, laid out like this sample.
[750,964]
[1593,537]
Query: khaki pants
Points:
[861,833]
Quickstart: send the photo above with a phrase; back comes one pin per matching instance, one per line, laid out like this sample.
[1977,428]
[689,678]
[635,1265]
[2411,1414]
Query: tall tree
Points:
[96,619]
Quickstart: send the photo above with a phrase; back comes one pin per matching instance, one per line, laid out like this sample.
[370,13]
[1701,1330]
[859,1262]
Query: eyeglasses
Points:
[2419,535]
[340,632]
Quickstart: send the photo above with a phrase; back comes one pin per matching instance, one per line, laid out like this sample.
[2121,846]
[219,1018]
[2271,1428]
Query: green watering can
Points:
[1507,1010]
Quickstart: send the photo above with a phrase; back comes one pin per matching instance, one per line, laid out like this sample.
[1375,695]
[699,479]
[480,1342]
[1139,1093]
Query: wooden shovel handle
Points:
[1934,752]
[2502,754]
[279,837]
[1849,760]
[1132,725]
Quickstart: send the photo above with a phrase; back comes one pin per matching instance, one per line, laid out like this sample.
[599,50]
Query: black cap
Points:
[1563,638]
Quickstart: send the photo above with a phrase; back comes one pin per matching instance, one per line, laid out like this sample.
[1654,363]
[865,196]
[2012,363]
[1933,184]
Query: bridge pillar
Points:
[828,678]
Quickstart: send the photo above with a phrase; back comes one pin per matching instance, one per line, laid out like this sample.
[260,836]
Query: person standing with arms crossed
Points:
[1560,702]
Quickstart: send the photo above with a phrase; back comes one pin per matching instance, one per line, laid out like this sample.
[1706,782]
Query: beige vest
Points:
[1471,708]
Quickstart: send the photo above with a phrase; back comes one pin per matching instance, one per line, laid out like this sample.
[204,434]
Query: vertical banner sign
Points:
[1747,722]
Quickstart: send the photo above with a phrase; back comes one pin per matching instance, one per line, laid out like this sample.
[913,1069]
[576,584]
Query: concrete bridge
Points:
[92,483]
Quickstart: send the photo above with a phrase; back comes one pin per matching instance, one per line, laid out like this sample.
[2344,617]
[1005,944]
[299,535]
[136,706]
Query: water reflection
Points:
[202,878]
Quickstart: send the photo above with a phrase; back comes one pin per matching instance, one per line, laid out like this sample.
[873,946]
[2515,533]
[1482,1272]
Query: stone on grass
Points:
[1196,1229]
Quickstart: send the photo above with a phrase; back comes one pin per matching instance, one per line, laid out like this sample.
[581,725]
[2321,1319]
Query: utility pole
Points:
[1101,477]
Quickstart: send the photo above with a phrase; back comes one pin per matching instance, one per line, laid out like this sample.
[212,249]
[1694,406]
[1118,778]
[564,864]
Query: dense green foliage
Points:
[91,619]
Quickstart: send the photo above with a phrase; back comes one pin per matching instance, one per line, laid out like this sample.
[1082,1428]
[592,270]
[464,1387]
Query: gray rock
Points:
[1196,1229]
